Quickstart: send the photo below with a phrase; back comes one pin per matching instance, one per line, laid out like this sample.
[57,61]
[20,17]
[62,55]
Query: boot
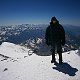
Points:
[60,58]
[53,58]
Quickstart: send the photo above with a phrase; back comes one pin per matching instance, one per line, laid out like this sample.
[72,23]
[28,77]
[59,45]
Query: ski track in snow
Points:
[16,64]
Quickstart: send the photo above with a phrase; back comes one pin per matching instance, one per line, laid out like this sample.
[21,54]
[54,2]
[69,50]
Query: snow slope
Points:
[13,50]
[16,64]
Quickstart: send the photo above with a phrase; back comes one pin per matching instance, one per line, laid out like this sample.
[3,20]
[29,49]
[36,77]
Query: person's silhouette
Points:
[55,36]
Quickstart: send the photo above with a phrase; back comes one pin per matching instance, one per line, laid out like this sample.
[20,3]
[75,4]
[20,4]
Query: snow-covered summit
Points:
[16,64]
[13,50]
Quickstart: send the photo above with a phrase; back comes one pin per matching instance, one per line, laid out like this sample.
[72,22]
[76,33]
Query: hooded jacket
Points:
[55,33]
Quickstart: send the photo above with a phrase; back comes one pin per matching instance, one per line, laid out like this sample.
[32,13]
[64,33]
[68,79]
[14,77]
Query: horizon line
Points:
[36,24]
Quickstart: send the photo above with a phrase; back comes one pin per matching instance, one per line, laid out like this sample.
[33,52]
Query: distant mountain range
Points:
[73,32]
[21,33]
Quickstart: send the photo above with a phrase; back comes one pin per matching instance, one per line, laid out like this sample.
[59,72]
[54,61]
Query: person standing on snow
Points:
[55,37]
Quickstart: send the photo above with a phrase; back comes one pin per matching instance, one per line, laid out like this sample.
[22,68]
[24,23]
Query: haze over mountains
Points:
[22,33]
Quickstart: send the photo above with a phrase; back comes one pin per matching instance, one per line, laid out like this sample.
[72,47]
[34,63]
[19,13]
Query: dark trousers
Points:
[56,48]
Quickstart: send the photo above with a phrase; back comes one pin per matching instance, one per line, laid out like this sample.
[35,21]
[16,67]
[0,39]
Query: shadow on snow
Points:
[66,69]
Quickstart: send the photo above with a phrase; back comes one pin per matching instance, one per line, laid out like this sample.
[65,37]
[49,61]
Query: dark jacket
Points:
[55,34]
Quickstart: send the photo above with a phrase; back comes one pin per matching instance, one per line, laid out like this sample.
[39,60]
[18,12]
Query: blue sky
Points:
[14,12]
